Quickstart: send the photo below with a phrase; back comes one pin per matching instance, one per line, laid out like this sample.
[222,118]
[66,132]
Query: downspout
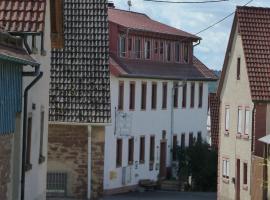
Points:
[197,43]
[25,102]
[89,171]
[252,141]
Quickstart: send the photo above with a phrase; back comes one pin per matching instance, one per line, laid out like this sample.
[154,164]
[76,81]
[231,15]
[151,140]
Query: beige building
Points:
[244,96]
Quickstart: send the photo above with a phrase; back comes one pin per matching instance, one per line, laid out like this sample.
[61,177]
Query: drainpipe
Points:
[89,174]
[25,102]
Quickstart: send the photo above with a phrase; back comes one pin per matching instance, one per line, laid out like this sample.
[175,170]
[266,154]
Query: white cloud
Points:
[193,18]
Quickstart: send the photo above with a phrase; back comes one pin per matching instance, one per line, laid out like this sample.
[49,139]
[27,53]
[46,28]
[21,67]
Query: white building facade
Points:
[159,100]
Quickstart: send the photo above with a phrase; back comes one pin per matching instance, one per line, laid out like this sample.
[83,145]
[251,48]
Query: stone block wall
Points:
[67,152]
[5,165]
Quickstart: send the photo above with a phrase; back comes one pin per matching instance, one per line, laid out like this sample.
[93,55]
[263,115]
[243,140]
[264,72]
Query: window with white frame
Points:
[225,168]
[247,120]
[122,46]
[227,118]
[239,128]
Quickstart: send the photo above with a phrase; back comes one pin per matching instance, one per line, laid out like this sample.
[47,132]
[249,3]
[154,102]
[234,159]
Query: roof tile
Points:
[23,15]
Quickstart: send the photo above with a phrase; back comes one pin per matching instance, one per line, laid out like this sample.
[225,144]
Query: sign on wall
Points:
[123,123]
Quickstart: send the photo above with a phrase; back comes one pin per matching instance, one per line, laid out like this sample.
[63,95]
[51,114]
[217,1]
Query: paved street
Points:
[162,195]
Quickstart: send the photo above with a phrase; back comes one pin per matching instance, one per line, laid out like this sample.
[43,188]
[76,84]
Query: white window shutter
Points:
[239,121]
[247,120]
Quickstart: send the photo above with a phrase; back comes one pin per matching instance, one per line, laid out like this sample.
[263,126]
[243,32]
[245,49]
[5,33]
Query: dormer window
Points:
[177,52]
[138,47]
[122,46]
[238,68]
[186,53]
[168,51]
[147,49]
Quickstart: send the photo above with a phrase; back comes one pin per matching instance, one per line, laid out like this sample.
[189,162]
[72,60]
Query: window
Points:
[147,49]
[154,96]
[142,149]
[175,95]
[239,129]
[168,51]
[152,149]
[190,139]
[183,140]
[156,47]
[144,92]
[132,95]
[164,95]
[225,168]
[200,95]
[192,93]
[174,148]
[121,96]
[238,68]
[42,118]
[247,120]
[119,147]
[199,137]
[227,118]
[186,53]
[161,48]
[29,141]
[177,52]
[130,151]
[130,44]
[245,174]
[122,46]
[184,96]
[57,28]
[138,48]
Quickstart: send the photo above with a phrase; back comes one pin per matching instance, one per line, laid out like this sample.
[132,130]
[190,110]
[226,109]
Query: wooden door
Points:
[237,181]
[163,156]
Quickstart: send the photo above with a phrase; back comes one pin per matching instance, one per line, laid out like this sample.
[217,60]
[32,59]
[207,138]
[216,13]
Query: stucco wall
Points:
[147,123]
[235,93]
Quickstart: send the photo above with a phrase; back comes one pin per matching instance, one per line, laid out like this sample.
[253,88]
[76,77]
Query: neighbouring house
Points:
[159,93]
[244,94]
[24,115]
[79,98]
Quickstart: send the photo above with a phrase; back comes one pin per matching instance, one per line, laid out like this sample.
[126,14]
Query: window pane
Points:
[239,121]
[138,48]
[154,95]
[130,150]
[192,94]
[177,52]
[121,96]
[152,148]
[142,149]
[245,174]
[247,115]
[164,96]
[184,96]
[183,142]
[132,96]
[144,92]
[186,53]
[119,153]
[227,119]
[200,95]
[122,46]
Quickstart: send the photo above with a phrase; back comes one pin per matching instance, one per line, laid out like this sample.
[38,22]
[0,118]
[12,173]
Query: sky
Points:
[193,18]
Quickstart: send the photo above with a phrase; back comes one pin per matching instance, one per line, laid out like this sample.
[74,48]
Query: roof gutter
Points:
[199,42]
[38,75]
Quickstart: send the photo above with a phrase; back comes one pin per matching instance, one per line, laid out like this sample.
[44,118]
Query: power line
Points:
[221,20]
[187,2]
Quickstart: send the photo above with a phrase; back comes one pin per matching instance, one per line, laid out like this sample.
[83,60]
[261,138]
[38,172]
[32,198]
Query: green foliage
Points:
[200,162]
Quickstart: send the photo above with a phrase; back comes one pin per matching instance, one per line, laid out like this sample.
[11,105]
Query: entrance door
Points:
[163,153]
[237,181]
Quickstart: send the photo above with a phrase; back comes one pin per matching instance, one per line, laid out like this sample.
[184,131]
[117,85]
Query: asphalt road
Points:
[163,195]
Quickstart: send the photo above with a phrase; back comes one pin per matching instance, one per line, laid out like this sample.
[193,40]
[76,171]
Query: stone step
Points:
[170,185]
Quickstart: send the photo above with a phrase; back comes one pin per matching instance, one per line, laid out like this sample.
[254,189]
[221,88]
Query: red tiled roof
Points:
[203,68]
[214,105]
[254,27]
[22,15]
[142,22]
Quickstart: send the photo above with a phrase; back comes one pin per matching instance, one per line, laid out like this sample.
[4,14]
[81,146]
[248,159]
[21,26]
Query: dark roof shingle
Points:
[254,28]
[22,15]
[214,105]
[160,70]
[142,22]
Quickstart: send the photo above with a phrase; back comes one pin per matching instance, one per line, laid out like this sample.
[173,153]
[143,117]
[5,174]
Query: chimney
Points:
[111,4]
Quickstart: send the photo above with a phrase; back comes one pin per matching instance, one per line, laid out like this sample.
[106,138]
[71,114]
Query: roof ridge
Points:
[128,11]
[252,7]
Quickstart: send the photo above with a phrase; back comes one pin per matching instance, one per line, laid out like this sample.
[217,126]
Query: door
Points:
[162,166]
[237,181]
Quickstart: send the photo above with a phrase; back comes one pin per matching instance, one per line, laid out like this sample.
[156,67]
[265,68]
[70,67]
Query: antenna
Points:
[129,4]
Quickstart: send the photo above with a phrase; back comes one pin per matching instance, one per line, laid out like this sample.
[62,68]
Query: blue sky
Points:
[193,18]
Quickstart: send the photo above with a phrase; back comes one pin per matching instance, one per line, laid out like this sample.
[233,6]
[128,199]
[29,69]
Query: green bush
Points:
[200,162]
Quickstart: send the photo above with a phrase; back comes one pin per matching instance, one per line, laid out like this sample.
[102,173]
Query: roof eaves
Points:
[18,60]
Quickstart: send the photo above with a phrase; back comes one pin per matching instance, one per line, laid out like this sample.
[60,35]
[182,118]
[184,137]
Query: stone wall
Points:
[5,165]
[67,152]
[97,154]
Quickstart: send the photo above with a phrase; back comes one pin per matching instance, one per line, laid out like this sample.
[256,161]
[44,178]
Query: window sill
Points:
[142,162]
[238,136]
[226,180]
[130,163]
[245,187]
[118,166]
[28,167]
[245,136]
[227,134]
[41,159]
